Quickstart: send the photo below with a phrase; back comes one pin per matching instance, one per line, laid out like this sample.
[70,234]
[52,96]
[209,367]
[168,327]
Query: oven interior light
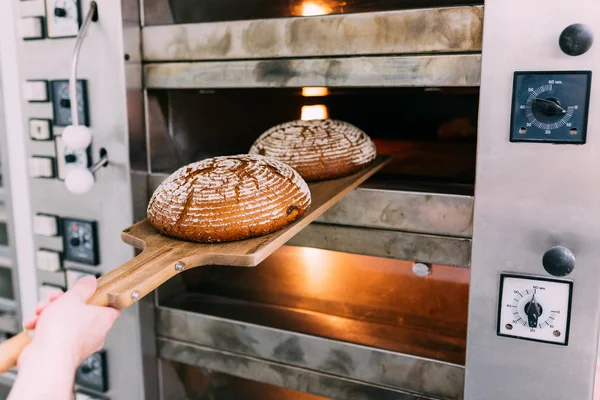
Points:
[314,91]
[318,111]
[311,8]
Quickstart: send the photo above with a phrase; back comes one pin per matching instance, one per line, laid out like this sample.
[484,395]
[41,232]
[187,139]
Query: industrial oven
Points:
[465,269]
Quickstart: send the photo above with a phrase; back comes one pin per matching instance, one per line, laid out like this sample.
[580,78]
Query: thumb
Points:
[83,289]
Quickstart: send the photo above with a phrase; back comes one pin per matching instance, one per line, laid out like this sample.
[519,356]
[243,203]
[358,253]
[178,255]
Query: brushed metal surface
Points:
[282,375]
[528,198]
[352,362]
[394,71]
[433,30]
[386,243]
[410,211]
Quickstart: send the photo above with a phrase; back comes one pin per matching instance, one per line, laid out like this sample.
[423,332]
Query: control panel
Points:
[550,107]
[91,374]
[64,18]
[69,134]
[535,308]
[80,241]
[61,102]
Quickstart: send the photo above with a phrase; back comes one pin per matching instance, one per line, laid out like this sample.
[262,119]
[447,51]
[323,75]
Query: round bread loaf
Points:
[228,198]
[317,149]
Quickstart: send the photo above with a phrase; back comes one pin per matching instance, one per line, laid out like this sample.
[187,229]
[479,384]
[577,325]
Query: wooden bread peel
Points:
[163,257]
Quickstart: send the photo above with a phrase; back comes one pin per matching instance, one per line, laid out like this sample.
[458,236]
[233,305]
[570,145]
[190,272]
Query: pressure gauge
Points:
[535,308]
[63,18]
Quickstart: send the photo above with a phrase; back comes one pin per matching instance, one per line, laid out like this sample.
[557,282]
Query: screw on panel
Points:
[509,326]
[556,333]
[135,295]
[179,266]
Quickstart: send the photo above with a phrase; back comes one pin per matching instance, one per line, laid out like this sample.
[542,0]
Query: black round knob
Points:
[576,39]
[70,158]
[75,242]
[558,261]
[60,12]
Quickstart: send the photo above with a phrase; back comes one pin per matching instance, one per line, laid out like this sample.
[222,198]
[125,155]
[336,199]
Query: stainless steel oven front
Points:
[473,248]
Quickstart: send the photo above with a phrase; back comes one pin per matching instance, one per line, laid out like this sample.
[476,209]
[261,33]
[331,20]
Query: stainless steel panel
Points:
[436,30]
[437,70]
[386,243]
[353,362]
[409,211]
[529,197]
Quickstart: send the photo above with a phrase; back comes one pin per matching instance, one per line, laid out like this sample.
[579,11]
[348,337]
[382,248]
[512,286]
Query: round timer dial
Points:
[535,308]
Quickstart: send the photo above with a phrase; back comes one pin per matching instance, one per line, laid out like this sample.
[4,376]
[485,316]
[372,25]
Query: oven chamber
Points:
[338,311]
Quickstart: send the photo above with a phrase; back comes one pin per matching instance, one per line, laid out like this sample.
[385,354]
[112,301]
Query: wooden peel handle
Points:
[141,275]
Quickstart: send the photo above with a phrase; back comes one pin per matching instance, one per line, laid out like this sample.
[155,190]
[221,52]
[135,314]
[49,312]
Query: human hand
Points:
[66,328]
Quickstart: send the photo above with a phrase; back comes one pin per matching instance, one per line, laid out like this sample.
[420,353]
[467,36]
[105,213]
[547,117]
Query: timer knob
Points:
[558,261]
[576,39]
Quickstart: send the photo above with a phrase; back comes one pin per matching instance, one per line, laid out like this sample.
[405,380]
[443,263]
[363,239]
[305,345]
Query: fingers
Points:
[29,323]
[83,289]
[40,307]
[55,295]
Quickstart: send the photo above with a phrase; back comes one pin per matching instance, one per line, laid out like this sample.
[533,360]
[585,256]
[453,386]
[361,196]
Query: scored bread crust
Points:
[228,198]
[317,149]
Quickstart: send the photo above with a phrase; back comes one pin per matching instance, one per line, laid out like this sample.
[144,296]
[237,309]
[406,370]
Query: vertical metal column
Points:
[530,197]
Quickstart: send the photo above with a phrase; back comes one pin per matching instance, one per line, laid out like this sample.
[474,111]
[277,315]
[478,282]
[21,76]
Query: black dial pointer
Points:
[548,107]
[533,311]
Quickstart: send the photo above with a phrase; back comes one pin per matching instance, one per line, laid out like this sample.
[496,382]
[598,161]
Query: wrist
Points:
[41,356]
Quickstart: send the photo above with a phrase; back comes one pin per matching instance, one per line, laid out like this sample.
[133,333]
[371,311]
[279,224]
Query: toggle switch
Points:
[31,28]
[45,225]
[36,91]
[40,129]
[41,167]
[48,260]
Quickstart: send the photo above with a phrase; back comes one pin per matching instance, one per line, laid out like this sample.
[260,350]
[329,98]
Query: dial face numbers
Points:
[542,120]
[534,308]
[550,107]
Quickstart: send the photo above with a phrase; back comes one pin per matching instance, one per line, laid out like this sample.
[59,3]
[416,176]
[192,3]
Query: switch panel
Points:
[48,260]
[80,241]
[40,129]
[92,373]
[67,158]
[35,91]
[62,103]
[63,18]
[45,290]
[45,225]
[31,28]
[41,167]
[74,275]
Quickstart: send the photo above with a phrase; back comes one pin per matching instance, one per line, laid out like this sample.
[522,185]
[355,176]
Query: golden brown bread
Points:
[317,149]
[228,198]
